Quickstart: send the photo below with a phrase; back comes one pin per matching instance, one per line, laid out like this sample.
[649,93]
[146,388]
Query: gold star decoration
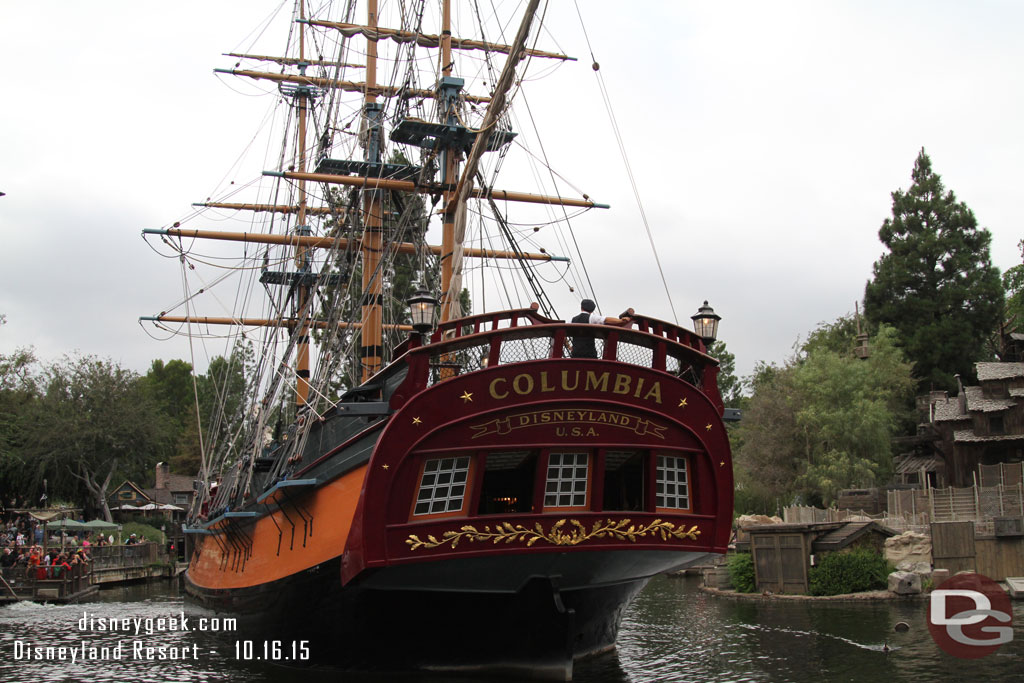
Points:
[721,464]
[708,426]
[417,421]
[682,403]
[466,396]
[387,467]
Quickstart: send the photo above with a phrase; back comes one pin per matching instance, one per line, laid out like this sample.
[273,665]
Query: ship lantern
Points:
[422,309]
[705,323]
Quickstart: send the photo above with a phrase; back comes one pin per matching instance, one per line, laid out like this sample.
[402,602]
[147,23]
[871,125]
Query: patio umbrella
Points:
[99,524]
[66,524]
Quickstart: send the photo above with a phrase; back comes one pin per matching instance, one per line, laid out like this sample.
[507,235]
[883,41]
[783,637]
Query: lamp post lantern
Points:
[422,310]
[705,323]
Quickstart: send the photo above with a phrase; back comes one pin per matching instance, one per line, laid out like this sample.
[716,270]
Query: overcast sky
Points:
[765,139]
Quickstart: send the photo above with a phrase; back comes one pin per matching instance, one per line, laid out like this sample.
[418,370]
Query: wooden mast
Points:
[455,200]
[451,288]
[372,350]
[302,258]
[450,164]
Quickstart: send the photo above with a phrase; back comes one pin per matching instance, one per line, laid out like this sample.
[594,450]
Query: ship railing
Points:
[663,347]
[490,322]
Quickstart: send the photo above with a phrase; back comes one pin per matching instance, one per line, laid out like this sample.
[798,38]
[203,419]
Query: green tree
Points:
[824,421]
[93,421]
[18,393]
[729,385]
[1013,284]
[936,285]
[767,444]
[850,410]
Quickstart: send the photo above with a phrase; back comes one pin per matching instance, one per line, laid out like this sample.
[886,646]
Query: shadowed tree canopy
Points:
[1013,283]
[936,285]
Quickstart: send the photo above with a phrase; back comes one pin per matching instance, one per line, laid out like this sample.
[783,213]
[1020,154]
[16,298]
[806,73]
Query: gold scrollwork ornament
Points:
[562,532]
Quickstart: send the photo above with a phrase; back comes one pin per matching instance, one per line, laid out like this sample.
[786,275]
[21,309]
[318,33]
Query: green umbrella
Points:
[66,524]
[99,524]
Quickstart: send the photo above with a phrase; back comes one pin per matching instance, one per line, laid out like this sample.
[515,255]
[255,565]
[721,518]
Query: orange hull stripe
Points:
[332,507]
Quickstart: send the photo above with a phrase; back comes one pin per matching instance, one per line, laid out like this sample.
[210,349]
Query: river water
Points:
[672,632]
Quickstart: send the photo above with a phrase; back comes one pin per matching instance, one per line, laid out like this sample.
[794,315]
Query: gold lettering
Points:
[544,386]
[639,386]
[494,388]
[655,393]
[622,383]
[591,432]
[524,420]
[597,382]
[565,380]
[522,384]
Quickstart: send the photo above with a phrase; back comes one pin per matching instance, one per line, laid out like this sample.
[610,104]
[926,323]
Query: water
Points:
[672,632]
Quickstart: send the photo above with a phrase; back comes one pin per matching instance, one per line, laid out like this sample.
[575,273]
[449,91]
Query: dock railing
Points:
[44,583]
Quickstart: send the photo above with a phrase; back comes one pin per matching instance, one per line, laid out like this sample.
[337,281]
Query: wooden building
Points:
[783,554]
[981,425]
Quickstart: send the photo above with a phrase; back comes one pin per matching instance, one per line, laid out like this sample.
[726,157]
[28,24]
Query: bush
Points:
[741,572]
[859,570]
[151,533]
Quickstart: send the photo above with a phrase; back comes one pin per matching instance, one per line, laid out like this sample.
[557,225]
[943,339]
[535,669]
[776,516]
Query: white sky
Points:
[765,138]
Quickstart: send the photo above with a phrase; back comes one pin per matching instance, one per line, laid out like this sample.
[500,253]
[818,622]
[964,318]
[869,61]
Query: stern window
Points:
[567,480]
[672,488]
[442,486]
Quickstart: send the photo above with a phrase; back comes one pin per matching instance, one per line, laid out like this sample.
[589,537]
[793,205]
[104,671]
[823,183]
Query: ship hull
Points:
[518,618]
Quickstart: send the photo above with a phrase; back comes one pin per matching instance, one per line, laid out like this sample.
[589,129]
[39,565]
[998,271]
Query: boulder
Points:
[922,568]
[904,583]
[744,521]
[909,547]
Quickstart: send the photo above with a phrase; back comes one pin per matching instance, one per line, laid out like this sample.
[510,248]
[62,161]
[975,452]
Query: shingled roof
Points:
[994,371]
[837,539]
[976,401]
[948,410]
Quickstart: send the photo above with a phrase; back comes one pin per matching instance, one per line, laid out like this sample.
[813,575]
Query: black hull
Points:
[536,630]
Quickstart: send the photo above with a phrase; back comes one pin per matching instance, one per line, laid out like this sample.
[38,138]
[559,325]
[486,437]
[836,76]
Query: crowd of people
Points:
[24,544]
[41,563]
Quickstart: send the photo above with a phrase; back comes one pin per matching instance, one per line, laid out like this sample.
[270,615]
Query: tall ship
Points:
[415,470]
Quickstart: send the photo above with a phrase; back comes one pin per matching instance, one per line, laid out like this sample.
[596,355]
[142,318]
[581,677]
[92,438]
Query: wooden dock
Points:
[44,584]
[110,565]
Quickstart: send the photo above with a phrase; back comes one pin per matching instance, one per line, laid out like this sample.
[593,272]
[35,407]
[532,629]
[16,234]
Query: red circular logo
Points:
[969,616]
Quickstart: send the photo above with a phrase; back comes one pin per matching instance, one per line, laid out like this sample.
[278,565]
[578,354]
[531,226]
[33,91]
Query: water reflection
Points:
[673,632]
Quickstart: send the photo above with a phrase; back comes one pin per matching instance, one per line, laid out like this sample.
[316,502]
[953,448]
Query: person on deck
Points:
[584,346]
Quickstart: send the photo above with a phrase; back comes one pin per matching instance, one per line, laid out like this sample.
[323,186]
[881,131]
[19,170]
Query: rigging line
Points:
[582,266]
[192,357]
[527,269]
[625,158]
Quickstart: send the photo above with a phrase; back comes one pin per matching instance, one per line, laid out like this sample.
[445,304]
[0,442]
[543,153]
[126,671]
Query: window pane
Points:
[566,484]
[671,490]
[437,492]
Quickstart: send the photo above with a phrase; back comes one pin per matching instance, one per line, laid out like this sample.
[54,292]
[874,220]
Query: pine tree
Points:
[937,285]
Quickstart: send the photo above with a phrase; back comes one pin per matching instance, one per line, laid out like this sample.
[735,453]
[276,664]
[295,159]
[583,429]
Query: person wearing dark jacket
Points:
[583,346]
